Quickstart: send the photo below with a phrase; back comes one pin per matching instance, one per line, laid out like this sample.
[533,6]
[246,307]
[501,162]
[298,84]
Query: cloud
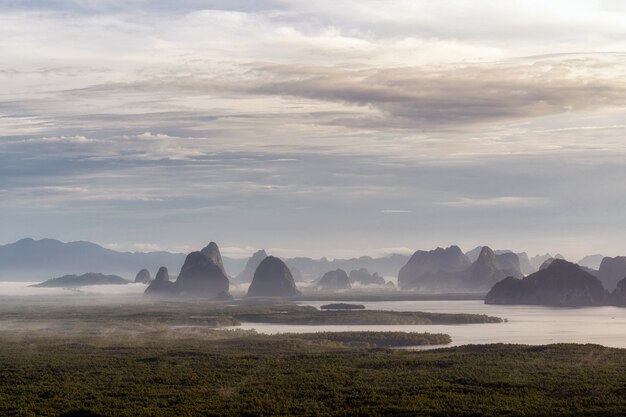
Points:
[496,202]
[443,97]
[134,247]
[23,289]
[295,125]
[459,94]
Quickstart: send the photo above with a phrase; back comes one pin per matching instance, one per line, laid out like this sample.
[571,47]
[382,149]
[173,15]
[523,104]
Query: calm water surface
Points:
[532,325]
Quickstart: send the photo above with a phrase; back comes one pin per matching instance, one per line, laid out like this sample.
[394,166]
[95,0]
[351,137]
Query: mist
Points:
[24,289]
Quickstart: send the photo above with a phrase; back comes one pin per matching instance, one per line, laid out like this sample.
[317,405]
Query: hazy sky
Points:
[315,127]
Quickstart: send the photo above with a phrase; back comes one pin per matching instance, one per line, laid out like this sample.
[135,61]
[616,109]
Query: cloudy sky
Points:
[331,128]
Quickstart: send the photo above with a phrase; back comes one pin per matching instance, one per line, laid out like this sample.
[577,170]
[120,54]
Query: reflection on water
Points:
[526,324]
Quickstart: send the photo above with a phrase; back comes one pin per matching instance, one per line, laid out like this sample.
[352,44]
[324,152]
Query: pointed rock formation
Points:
[537,260]
[612,270]
[510,264]
[143,276]
[487,270]
[562,284]
[161,284]
[432,270]
[484,270]
[525,265]
[523,262]
[591,261]
[618,297]
[362,276]
[272,278]
[201,275]
[546,264]
[449,270]
[212,251]
[253,263]
[336,280]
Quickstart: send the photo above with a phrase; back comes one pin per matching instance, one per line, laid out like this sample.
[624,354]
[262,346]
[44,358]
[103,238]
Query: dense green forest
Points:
[162,358]
[219,314]
[240,373]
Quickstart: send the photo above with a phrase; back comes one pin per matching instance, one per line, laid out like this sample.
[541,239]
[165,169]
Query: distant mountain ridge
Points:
[90,278]
[312,269]
[450,270]
[35,260]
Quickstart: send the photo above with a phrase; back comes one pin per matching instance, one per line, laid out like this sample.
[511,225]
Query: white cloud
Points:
[293,124]
[497,202]
[134,247]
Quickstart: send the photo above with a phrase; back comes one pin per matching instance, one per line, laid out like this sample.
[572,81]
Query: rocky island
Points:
[272,279]
[161,284]
[143,277]
[559,284]
[450,270]
[90,278]
[202,275]
[336,280]
[362,276]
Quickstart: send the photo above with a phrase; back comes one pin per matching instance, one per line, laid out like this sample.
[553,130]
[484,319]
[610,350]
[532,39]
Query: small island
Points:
[90,278]
[342,306]
[363,317]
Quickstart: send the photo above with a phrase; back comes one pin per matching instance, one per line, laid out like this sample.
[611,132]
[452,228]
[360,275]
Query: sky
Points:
[343,128]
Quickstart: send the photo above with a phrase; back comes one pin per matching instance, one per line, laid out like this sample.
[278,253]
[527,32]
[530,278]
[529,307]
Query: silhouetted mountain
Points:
[253,263]
[161,285]
[143,276]
[90,278]
[311,269]
[618,297]
[201,275]
[561,283]
[449,270]
[546,264]
[538,260]
[489,269]
[212,251]
[472,255]
[30,260]
[549,261]
[272,278]
[334,281]
[509,264]
[433,270]
[363,277]
[612,270]
[591,261]
[525,266]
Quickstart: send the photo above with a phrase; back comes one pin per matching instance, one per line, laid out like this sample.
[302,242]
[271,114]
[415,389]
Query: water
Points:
[526,324]
[533,325]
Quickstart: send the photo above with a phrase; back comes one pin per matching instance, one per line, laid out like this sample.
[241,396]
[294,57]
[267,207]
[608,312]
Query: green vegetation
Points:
[202,313]
[342,306]
[365,317]
[239,373]
[378,339]
[151,360]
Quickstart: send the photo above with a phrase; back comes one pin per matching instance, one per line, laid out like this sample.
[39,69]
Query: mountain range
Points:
[36,260]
